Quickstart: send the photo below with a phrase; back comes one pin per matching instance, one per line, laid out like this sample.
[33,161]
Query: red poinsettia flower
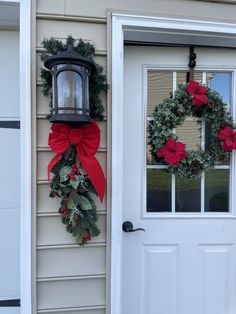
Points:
[225,133]
[229,137]
[173,152]
[198,92]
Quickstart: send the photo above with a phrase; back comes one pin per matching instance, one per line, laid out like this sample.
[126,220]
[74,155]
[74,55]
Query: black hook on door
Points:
[192,63]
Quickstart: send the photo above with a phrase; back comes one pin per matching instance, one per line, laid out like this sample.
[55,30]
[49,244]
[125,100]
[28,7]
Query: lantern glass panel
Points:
[69,92]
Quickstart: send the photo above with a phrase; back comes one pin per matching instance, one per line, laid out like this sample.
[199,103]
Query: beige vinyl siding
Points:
[175,8]
[60,29]
[72,279]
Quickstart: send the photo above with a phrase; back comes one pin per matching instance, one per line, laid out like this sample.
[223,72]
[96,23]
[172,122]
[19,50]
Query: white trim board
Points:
[25,114]
[121,23]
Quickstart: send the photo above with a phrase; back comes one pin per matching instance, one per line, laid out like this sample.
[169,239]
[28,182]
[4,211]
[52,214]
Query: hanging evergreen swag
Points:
[98,81]
[78,209]
[191,100]
[78,177]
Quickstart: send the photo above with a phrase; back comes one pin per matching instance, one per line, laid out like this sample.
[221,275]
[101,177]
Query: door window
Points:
[167,193]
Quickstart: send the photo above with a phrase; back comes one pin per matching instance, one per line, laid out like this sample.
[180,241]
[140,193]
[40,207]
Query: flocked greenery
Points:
[98,80]
[77,193]
[172,112]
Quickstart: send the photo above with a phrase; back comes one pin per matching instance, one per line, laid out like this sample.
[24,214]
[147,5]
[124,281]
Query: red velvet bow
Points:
[87,140]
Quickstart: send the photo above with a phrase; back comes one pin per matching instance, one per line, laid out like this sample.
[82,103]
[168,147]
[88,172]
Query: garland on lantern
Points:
[97,83]
[78,177]
[195,101]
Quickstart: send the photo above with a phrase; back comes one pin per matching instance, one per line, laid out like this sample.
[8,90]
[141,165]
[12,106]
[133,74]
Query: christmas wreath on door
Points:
[201,102]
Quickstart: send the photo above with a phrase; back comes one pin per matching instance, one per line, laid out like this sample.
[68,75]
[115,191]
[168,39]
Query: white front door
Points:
[185,261]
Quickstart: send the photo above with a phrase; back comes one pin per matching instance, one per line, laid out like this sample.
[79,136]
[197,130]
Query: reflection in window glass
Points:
[220,82]
[158,191]
[208,137]
[189,132]
[159,88]
[217,191]
[182,77]
[150,159]
[188,195]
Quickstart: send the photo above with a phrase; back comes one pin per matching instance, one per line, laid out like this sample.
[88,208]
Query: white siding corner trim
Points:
[25,114]
[121,22]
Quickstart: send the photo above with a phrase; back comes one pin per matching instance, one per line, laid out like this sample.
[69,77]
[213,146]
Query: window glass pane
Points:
[158,191]
[208,131]
[189,133]
[159,87]
[182,77]
[188,195]
[150,159]
[217,191]
[220,82]
[208,138]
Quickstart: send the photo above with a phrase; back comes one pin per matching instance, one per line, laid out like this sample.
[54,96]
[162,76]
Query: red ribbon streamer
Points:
[87,140]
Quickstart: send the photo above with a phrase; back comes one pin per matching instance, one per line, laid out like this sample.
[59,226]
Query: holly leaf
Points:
[71,204]
[85,224]
[63,173]
[84,203]
[66,189]
[94,229]
[74,183]
[81,170]
[79,236]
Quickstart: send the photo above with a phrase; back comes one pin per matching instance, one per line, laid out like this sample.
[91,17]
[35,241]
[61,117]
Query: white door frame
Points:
[26,156]
[121,22]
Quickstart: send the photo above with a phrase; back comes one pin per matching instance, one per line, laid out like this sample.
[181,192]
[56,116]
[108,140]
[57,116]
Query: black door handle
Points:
[127,226]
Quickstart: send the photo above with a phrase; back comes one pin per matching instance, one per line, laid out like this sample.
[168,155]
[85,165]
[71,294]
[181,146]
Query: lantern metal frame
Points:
[68,60]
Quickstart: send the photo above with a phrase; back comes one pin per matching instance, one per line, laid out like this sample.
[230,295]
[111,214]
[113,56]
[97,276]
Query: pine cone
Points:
[74,224]
[185,101]
[181,110]
[225,124]
[195,165]
[224,157]
[211,105]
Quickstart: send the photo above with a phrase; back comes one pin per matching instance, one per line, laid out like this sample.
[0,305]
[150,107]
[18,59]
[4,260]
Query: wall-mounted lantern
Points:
[70,87]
